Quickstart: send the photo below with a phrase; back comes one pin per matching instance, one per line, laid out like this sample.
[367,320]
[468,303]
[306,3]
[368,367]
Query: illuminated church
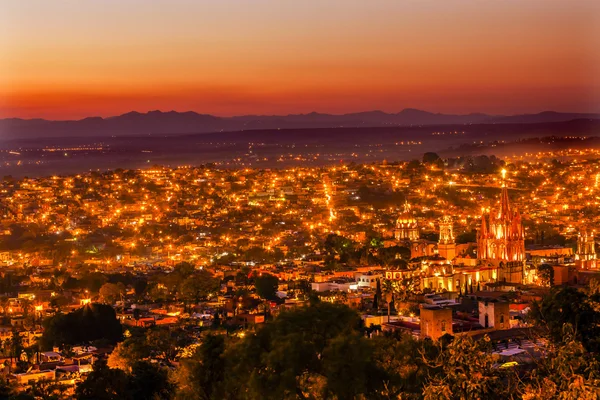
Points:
[406,226]
[585,257]
[446,245]
[501,241]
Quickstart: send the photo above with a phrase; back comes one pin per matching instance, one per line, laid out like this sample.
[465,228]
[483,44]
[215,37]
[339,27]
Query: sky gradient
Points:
[71,59]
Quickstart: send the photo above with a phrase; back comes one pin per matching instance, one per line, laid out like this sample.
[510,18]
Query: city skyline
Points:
[319,199]
[267,57]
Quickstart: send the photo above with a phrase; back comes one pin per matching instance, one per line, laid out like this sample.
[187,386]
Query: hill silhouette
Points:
[172,122]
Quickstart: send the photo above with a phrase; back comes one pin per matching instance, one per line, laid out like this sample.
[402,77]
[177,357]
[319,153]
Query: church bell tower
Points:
[446,244]
[586,250]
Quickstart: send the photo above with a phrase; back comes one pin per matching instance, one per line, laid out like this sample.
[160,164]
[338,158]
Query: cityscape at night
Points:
[238,200]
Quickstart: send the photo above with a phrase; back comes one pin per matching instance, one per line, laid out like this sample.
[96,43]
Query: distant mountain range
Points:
[172,122]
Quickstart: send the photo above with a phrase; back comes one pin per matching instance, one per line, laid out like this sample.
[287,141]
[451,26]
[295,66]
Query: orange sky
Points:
[71,59]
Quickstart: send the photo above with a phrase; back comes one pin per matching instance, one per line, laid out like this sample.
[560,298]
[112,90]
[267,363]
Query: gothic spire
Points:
[504,204]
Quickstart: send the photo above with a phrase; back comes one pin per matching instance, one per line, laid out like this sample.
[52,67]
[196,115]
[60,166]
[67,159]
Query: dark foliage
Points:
[89,323]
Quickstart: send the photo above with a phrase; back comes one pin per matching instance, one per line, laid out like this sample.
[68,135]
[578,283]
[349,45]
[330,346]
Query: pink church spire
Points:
[504,205]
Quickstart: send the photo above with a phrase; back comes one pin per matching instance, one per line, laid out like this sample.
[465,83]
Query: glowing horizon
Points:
[69,60]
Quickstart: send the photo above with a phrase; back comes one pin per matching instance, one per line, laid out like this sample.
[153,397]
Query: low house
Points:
[50,357]
[249,319]
[35,376]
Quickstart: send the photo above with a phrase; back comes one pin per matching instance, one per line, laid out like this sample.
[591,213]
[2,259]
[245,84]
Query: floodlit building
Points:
[585,257]
[501,241]
[407,227]
[446,244]
[494,314]
[435,321]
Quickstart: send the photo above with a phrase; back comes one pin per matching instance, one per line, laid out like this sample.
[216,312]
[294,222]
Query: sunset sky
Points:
[75,58]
